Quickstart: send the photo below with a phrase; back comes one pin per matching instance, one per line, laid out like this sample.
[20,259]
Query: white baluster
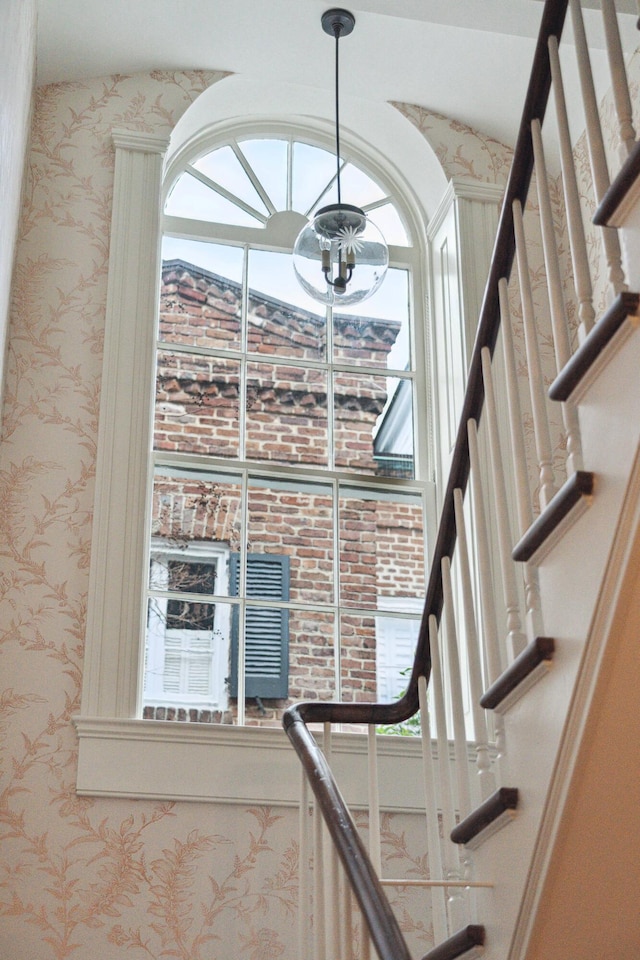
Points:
[332,872]
[483,763]
[304,847]
[536,383]
[347,926]
[319,913]
[459,731]
[374,802]
[337,920]
[516,641]
[575,225]
[559,324]
[519,463]
[595,145]
[619,83]
[451,857]
[495,659]
[438,908]
[455,690]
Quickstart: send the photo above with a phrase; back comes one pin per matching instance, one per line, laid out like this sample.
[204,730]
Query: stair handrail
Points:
[383,927]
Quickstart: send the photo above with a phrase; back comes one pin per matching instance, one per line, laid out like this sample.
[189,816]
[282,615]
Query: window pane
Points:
[224,168]
[359,401]
[296,520]
[329,196]
[381,548]
[193,200]
[358,658]
[358,188]
[201,294]
[393,444]
[387,220]
[312,669]
[376,333]
[193,509]
[396,640]
[197,405]
[178,571]
[268,159]
[282,318]
[313,168]
[286,414]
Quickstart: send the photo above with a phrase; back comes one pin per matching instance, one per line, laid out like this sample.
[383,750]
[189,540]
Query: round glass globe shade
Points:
[340,232]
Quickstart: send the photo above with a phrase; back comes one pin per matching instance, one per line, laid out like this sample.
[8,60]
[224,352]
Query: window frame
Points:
[213,553]
[117,749]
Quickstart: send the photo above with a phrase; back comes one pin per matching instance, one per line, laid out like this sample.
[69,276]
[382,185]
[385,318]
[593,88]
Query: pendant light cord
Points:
[337,30]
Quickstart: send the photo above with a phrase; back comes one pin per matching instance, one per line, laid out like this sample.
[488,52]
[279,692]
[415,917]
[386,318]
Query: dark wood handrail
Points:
[384,929]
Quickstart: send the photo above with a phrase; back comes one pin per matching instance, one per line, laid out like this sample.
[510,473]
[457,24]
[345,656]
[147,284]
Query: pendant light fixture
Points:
[340,257]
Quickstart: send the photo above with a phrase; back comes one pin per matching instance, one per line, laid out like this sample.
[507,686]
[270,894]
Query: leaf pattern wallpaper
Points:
[82,878]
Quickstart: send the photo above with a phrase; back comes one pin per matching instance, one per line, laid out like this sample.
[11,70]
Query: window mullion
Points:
[227,194]
[337,646]
[289,174]
[325,190]
[250,172]
[376,204]
[330,390]
[242,592]
[244,337]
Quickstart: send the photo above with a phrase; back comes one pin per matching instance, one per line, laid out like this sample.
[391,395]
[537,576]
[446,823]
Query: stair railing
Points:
[496,655]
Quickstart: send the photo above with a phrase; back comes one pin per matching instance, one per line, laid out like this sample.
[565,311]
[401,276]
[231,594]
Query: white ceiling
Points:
[467,59]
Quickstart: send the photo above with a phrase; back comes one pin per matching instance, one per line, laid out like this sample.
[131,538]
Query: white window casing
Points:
[119,753]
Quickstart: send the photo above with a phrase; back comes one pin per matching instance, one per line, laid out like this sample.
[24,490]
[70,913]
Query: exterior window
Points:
[288,496]
[186,650]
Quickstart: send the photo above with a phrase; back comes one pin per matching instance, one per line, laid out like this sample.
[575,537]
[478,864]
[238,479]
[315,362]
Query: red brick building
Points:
[260,437]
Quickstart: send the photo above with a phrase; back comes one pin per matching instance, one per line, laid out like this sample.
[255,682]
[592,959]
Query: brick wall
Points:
[198,404]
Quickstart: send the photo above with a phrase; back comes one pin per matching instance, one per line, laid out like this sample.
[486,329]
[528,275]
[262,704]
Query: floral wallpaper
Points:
[83,878]
[17,69]
[461,150]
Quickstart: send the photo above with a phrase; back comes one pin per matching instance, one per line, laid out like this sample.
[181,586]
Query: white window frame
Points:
[119,753]
[158,632]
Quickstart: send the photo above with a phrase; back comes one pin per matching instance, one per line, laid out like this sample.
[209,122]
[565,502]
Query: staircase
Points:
[534,596]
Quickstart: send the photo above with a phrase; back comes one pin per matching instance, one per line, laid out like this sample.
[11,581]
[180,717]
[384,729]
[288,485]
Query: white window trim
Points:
[119,754]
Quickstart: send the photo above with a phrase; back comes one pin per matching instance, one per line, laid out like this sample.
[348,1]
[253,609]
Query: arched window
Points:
[286,541]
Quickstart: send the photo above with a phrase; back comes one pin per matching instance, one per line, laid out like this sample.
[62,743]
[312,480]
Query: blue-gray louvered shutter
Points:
[266,628]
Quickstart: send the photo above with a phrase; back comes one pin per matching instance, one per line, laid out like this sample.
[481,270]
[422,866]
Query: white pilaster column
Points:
[115,614]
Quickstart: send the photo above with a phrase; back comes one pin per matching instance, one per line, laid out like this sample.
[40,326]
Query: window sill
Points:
[155,760]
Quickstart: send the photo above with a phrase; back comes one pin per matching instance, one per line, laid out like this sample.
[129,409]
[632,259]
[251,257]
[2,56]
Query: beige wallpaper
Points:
[17,70]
